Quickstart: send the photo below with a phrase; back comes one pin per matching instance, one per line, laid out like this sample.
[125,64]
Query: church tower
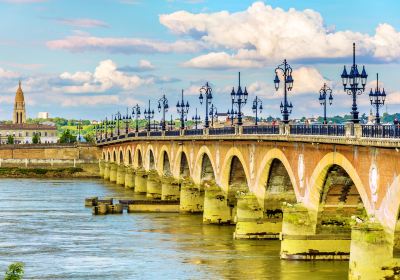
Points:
[19,115]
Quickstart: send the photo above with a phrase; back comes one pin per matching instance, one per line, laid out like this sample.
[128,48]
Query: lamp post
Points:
[111,125]
[79,128]
[136,115]
[213,113]
[257,107]
[148,115]
[239,98]
[196,118]
[106,128]
[323,94]
[127,119]
[377,99]
[117,119]
[183,110]
[286,107]
[231,114]
[354,79]
[163,105]
[206,92]
[171,124]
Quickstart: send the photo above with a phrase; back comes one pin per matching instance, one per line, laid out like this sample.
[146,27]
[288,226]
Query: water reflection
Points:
[44,224]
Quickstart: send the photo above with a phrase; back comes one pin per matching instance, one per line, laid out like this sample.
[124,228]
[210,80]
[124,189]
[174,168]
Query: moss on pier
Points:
[64,172]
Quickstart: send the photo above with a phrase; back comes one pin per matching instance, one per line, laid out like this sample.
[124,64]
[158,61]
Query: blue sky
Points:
[88,59]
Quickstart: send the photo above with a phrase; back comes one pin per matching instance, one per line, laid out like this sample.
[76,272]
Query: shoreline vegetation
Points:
[45,172]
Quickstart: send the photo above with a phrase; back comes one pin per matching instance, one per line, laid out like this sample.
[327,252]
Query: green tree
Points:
[36,138]
[89,137]
[67,137]
[15,271]
[10,139]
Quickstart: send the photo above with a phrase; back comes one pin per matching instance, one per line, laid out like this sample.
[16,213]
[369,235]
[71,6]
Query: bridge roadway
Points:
[326,192]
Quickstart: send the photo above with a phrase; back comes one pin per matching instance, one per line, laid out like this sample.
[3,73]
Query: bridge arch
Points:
[128,156]
[234,168]
[319,175]
[163,163]
[182,166]
[138,157]
[108,156]
[103,155]
[121,156]
[204,168]
[114,159]
[389,210]
[150,157]
[264,172]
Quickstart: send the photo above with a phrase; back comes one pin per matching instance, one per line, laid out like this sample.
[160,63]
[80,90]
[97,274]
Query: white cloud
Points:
[7,74]
[81,43]
[221,60]
[105,77]
[145,65]
[82,22]
[270,34]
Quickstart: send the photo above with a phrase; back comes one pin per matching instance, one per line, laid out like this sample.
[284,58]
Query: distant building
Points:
[43,115]
[20,130]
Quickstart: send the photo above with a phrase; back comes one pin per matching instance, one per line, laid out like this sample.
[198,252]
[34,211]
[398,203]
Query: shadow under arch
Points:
[204,168]
[128,156]
[121,156]
[114,156]
[166,167]
[138,157]
[184,168]
[317,180]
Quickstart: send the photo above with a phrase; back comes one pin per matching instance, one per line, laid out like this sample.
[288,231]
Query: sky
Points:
[89,59]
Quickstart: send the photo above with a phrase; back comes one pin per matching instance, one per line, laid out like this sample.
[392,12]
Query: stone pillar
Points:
[169,188]
[250,223]
[106,171]
[191,197]
[371,252]
[129,177]
[153,185]
[216,209]
[101,168]
[113,172]
[297,220]
[121,174]
[141,181]
[357,130]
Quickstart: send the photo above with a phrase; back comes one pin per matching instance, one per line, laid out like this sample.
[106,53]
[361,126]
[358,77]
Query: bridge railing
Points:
[221,130]
[380,131]
[318,129]
[172,133]
[190,132]
[155,133]
[142,133]
[261,129]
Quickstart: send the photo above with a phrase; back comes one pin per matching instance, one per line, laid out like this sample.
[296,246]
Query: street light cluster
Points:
[354,83]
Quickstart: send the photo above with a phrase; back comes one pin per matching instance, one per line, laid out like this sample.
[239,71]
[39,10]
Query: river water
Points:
[44,224]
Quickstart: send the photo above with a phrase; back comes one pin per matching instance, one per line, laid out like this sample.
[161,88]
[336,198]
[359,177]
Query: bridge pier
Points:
[191,197]
[299,240]
[371,254]
[153,185]
[101,168]
[113,172]
[216,209]
[129,177]
[121,174]
[170,189]
[141,181]
[106,174]
[250,223]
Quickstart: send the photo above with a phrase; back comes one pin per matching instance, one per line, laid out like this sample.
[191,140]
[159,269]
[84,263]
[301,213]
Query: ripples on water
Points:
[44,224]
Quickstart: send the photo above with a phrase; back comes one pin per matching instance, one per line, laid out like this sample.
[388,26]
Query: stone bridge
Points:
[324,196]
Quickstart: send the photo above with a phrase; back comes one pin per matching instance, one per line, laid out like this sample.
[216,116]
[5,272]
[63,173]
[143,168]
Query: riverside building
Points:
[21,131]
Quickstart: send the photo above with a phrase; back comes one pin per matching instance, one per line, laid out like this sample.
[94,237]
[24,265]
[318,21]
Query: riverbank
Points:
[46,172]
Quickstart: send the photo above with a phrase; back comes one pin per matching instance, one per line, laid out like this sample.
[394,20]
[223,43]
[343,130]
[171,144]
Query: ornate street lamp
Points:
[171,124]
[148,115]
[106,128]
[79,128]
[356,84]
[196,118]
[323,95]
[127,119]
[117,119]
[377,99]
[206,92]
[183,110]
[213,114]
[111,124]
[257,107]
[136,115]
[286,107]
[239,98]
[163,105]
